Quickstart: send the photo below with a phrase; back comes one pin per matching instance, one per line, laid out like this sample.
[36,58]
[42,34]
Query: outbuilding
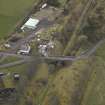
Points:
[7,45]
[44,6]
[25,49]
[31,24]
[16,76]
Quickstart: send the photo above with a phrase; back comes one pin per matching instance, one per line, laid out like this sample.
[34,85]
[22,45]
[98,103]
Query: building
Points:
[31,24]
[44,48]
[44,6]
[7,45]
[25,49]
[16,76]
[2,74]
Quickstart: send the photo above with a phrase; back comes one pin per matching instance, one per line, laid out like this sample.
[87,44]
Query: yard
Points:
[8,79]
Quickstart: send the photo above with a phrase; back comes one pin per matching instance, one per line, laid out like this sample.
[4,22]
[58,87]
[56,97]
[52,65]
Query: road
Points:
[12,64]
[57,58]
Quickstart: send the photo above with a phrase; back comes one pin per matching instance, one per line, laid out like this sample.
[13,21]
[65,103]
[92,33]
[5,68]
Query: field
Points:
[8,79]
[11,12]
[95,92]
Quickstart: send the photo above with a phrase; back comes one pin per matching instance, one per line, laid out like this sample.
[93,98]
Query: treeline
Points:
[95,25]
[91,28]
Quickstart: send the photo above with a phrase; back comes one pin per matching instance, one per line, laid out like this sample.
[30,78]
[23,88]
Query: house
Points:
[25,49]
[31,24]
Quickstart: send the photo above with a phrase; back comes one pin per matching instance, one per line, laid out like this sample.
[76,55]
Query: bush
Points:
[53,3]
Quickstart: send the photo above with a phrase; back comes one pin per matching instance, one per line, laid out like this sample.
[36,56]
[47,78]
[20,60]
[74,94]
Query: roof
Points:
[44,5]
[25,48]
[31,23]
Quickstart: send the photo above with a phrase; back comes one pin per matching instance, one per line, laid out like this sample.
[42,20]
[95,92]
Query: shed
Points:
[25,49]
[16,76]
[31,24]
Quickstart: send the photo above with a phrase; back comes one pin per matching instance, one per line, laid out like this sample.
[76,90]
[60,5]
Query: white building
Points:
[25,49]
[31,24]
[7,45]
[42,50]
[44,6]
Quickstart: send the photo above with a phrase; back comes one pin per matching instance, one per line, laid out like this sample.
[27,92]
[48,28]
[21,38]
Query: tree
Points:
[53,2]
[95,27]
[53,99]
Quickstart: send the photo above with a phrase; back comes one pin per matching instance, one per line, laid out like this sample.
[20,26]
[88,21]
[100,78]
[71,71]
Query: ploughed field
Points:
[11,11]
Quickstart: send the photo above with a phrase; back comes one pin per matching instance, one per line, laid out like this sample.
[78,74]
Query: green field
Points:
[11,12]
[95,92]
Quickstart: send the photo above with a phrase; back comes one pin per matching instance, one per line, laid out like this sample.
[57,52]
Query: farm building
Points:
[25,49]
[31,24]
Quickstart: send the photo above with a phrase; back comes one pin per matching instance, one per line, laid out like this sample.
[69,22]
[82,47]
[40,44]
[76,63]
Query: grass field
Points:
[95,92]
[11,12]
[9,60]
[8,79]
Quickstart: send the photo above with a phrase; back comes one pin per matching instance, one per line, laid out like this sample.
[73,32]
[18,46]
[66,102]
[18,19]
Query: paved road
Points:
[60,58]
[13,54]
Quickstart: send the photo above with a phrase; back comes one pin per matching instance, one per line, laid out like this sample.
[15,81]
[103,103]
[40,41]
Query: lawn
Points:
[11,12]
